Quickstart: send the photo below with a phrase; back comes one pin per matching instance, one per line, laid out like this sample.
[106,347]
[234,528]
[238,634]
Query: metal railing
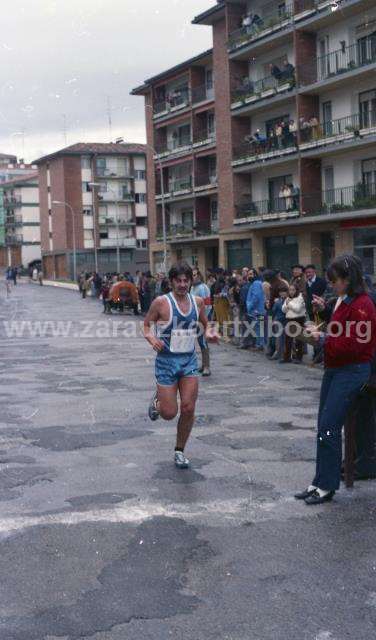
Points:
[271,21]
[269,85]
[202,93]
[180,184]
[13,239]
[100,172]
[274,145]
[262,208]
[111,220]
[109,196]
[183,231]
[335,63]
[206,179]
[352,198]
[12,202]
[180,96]
[173,145]
[338,127]
[204,135]
[13,221]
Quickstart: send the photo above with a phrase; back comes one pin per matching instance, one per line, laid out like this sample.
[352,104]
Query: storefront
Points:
[239,254]
[281,252]
[365,248]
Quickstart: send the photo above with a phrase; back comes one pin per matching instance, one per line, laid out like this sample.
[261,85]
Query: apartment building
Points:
[93,208]
[294,110]
[20,221]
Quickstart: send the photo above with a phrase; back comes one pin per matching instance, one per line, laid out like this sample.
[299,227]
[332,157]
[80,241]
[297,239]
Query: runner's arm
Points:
[152,316]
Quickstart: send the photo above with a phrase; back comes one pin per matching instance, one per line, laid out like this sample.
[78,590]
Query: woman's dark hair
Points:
[180,269]
[348,267]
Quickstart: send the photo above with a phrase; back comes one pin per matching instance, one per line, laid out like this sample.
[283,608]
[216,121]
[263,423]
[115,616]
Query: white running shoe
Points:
[181,462]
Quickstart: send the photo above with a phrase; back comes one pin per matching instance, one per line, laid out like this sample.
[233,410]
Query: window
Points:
[103,235]
[87,211]
[103,187]
[142,222]
[211,123]
[142,244]
[86,188]
[101,166]
[85,162]
[140,198]
[140,174]
[209,79]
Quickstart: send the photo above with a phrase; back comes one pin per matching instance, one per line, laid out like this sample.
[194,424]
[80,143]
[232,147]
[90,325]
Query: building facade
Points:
[19,213]
[93,205]
[294,107]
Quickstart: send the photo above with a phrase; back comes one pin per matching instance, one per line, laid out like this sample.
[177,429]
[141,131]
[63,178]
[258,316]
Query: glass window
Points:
[85,162]
[140,198]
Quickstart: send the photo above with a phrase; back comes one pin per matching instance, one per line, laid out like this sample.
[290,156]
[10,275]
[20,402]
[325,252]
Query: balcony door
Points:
[329,185]
[327,118]
[187,219]
[369,176]
[367,109]
[367,49]
[323,61]
[276,201]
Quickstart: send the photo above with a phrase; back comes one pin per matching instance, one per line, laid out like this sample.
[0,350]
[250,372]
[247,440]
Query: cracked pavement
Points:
[101,538]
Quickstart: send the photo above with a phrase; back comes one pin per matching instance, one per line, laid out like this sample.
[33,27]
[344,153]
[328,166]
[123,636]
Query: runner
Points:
[179,318]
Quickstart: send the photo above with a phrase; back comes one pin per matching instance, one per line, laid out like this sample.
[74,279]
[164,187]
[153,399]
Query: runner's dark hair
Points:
[180,269]
[348,267]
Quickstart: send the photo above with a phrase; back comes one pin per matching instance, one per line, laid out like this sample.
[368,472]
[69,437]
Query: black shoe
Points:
[304,494]
[315,498]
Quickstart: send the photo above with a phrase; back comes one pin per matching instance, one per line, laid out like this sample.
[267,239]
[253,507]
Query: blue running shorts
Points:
[170,367]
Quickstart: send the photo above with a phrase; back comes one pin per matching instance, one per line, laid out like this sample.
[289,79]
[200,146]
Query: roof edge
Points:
[186,63]
[208,17]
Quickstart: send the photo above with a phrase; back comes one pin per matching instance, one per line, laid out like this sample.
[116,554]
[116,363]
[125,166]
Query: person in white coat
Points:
[295,310]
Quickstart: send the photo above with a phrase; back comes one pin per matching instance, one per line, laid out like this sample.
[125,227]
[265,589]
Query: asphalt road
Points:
[102,539]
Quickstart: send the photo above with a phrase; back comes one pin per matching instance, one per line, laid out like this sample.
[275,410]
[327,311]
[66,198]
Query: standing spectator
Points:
[275,284]
[295,193]
[256,308]
[347,368]
[298,279]
[275,71]
[279,135]
[295,310]
[246,340]
[14,275]
[221,304]
[315,287]
[279,317]
[201,290]
[288,72]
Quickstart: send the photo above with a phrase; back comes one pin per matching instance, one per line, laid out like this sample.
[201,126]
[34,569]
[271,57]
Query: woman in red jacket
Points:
[349,348]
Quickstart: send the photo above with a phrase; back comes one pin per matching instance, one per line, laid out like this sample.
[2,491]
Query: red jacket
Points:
[352,345]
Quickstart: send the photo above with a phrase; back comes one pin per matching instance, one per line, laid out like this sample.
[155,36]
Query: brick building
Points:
[104,185]
[290,89]
[19,213]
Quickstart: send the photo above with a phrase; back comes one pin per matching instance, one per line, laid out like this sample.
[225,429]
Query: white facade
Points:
[22,208]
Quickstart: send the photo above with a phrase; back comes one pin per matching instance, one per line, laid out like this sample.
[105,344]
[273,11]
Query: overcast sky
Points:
[60,59]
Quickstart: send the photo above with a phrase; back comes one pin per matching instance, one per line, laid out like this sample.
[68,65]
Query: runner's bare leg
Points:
[167,401]
[188,390]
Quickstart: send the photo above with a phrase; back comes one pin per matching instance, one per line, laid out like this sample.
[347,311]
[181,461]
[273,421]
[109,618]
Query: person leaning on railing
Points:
[349,350]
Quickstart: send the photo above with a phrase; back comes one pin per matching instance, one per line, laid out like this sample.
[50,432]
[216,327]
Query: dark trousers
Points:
[339,388]
[291,344]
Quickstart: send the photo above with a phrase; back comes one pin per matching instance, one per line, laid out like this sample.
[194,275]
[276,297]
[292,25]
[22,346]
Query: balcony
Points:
[123,243]
[261,149]
[203,93]
[340,64]
[13,239]
[112,221]
[178,146]
[109,196]
[205,181]
[183,232]
[13,202]
[204,137]
[346,199]
[255,27]
[249,92]
[354,127]
[101,172]
[267,210]
[13,221]
[177,187]
[176,100]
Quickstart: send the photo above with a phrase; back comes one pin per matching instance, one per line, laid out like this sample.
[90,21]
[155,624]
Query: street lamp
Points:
[148,106]
[98,184]
[66,204]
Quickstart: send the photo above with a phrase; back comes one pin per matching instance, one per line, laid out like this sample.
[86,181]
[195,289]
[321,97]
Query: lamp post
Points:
[164,234]
[66,204]
[97,184]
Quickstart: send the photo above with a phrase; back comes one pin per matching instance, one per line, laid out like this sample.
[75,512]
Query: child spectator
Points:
[295,310]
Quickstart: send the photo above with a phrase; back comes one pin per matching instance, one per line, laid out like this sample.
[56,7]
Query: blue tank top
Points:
[180,332]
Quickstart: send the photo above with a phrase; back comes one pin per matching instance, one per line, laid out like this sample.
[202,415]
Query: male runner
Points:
[179,317]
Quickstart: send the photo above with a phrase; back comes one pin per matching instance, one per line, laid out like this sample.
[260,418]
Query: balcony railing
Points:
[202,93]
[13,239]
[262,147]
[336,63]
[331,201]
[176,231]
[204,136]
[206,179]
[127,243]
[13,221]
[112,221]
[180,184]
[174,145]
[250,91]
[176,99]
[110,173]
[108,196]
[353,198]
[12,202]
[358,125]
[262,26]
